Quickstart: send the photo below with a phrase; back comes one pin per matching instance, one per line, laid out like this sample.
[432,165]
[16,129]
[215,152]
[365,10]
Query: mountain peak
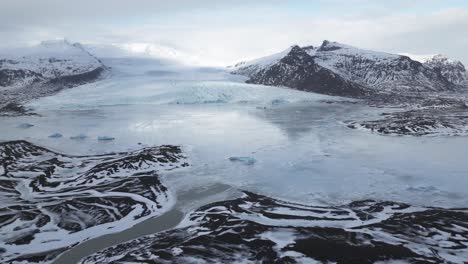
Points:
[329,46]
[55,43]
[297,54]
[49,60]
[60,44]
[452,70]
[295,49]
[442,59]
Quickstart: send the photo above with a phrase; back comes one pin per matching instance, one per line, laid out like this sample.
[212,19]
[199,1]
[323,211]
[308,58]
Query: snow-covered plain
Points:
[303,149]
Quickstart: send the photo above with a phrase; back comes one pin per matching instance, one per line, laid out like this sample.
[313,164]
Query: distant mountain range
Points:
[338,69]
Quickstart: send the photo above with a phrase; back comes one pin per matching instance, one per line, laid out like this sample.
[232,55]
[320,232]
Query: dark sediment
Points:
[52,194]
[259,229]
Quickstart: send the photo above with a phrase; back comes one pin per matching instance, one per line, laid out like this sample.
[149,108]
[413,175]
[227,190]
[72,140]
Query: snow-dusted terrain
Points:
[453,70]
[279,142]
[32,72]
[258,229]
[51,201]
[378,71]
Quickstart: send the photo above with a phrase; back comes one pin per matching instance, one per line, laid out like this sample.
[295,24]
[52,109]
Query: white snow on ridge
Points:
[420,57]
[373,69]
[260,63]
[344,50]
[50,59]
[425,58]
[340,58]
[334,54]
[63,57]
[452,70]
[268,60]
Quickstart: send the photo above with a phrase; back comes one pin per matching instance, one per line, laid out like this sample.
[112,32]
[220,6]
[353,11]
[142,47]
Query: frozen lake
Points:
[302,149]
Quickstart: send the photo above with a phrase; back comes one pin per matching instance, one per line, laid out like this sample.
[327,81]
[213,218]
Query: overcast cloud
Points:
[223,32]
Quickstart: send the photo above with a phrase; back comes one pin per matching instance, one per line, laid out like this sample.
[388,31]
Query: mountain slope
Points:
[379,70]
[452,70]
[46,68]
[355,68]
[298,70]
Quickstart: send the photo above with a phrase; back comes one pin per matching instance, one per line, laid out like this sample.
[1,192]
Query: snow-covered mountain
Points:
[452,70]
[297,69]
[50,63]
[357,69]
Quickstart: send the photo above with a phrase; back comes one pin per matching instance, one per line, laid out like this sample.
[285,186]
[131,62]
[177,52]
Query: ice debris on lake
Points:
[105,138]
[278,101]
[79,137]
[56,135]
[244,160]
[25,125]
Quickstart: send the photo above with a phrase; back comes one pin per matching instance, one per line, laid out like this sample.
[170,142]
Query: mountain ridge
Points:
[375,72]
[299,70]
[44,69]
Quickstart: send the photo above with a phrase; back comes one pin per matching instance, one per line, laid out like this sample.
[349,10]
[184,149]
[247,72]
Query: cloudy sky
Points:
[222,32]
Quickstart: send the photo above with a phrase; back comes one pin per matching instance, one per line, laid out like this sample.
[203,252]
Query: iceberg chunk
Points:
[244,160]
[105,138]
[56,135]
[78,137]
[25,125]
[278,101]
